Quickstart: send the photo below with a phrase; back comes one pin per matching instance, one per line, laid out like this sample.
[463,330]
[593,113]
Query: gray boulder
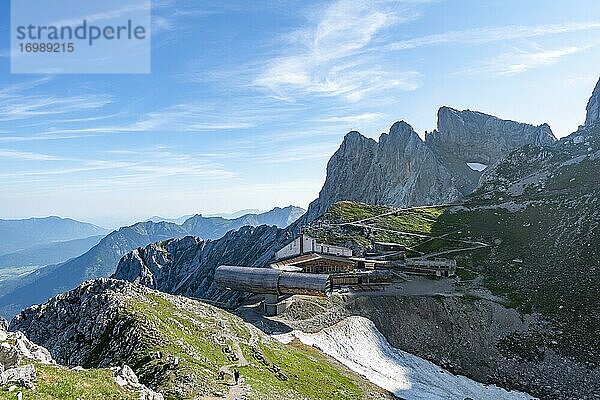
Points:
[15,349]
[125,377]
[24,376]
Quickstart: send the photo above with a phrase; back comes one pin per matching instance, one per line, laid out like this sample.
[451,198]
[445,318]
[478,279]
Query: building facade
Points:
[304,244]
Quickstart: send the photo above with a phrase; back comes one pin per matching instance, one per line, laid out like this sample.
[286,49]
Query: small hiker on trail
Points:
[236,376]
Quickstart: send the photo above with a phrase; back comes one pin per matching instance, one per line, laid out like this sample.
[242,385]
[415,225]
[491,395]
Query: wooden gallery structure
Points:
[305,266]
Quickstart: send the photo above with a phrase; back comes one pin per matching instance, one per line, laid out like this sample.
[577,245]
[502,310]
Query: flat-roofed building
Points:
[304,244]
[438,267]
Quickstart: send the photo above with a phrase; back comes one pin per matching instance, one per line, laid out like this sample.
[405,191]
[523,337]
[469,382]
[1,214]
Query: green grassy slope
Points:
[207,339]
[60,383]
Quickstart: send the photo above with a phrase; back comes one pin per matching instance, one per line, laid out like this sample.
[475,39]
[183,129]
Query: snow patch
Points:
[578,139]
[356,343]
[475,166]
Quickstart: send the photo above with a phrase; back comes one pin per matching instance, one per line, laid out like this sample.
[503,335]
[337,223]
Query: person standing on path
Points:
[236,376]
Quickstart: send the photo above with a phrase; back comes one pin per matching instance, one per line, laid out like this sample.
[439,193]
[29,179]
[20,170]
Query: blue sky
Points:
[247,100]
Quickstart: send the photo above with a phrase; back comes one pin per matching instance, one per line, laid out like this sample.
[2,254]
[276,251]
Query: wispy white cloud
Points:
[353,119]
[184,117]
[330,56]
[519,61]
[160,23]
[10,90]
[27,156]
[25,106]
[493,34]
[131,167]
[17,101]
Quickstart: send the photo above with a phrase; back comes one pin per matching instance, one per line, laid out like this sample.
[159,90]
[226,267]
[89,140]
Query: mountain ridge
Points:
[401,169]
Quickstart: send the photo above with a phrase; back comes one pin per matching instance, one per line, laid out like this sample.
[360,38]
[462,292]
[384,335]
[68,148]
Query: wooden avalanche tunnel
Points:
[272,281]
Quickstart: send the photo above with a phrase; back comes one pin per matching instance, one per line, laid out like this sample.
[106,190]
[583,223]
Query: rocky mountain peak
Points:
[478,137]
[402,128]
[593,107]
[400,133]
[354,139]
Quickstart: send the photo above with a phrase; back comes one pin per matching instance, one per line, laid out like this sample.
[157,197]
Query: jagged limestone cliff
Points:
[403,170]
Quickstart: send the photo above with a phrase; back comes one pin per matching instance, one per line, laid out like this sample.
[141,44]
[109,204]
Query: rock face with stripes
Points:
[401,169]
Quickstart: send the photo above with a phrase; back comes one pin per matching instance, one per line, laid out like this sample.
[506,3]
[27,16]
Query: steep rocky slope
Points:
[469,336]
[28,371]
[357,343]
[178,346]
[403,170]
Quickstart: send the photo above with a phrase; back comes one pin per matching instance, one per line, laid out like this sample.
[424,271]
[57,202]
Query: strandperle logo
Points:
[74,36]
[91,33]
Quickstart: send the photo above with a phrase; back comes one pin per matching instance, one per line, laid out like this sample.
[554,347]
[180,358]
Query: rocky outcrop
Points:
[186,266]
[16,355]
[403,170]
[593,107]
[126,378]
[73,325]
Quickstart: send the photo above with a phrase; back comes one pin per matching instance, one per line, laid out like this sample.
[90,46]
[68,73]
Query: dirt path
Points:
[441,253]
[236,391]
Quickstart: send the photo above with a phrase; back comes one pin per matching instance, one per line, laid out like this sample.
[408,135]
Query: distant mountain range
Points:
[20,234]
[234,215]
[102,259]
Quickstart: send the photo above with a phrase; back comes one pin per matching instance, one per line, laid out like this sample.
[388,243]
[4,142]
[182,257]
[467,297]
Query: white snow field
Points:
[356,343]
